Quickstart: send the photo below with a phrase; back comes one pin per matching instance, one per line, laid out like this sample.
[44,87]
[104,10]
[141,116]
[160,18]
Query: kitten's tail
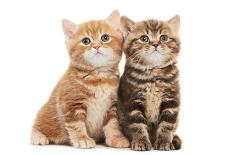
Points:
[177,142]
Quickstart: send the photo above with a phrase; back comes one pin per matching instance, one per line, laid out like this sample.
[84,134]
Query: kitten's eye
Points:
[144,38]
[163,38]
[86,41]
[105,37]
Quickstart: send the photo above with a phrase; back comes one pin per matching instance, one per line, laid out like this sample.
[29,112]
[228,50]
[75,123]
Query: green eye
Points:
[163,38]
[144,38]
[86,41]
[105,37]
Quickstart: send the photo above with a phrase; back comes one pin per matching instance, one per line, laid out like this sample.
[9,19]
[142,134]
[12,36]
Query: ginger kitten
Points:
[81,109]
[149,96]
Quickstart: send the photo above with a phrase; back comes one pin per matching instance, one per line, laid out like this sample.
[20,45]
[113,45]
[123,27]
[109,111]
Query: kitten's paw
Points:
[118,142]
[84,143]
[141,145]
[37,138]
[164,146]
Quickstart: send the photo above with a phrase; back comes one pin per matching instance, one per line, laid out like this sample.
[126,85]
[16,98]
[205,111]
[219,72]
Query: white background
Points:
[33,57]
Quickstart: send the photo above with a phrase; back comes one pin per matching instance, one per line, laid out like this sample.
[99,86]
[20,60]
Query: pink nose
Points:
[96,47]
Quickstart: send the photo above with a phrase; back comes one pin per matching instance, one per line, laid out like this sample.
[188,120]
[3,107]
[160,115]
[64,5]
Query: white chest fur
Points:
[97,109]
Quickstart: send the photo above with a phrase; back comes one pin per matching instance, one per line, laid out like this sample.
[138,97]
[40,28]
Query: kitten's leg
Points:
[74,113]
[140,138]
[78,135]
[113,134]
[137,127]
[167,126]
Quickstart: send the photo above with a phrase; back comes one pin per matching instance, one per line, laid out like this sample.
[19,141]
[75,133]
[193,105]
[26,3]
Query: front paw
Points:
[141,145]
[117,142]
[84,143]
[163,146]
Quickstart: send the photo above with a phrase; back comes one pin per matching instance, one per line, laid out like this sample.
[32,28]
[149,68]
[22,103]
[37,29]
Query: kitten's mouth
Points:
[155,50]
[97,52]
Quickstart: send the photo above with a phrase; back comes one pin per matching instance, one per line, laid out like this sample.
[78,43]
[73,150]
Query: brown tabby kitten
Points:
[149,87]
[81,109]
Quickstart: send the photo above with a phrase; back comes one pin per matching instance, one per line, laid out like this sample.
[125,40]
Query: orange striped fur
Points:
[81,108]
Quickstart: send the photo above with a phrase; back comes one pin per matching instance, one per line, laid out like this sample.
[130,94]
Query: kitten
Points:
[149,87]
[81,109]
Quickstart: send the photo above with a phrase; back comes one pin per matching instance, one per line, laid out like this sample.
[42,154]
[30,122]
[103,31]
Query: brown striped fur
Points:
[149,96]
[81,109]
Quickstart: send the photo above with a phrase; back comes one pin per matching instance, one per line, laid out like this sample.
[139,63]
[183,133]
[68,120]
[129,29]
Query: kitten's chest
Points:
[97,108]
[153,101]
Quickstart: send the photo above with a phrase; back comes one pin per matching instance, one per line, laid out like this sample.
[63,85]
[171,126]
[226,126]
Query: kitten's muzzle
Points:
[155,49]
[98,52]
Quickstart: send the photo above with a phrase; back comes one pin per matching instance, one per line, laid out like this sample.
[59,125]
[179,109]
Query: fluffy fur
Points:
[149,87]
[81,109]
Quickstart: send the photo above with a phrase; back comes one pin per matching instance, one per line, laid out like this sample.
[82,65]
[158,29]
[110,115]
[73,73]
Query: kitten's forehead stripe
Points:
[93,28]
[153,27]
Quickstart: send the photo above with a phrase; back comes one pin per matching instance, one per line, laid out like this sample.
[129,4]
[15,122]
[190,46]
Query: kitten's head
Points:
[96,43]
[151,43]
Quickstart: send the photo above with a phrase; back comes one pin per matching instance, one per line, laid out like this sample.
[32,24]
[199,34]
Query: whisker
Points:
[132,56]
[135,56]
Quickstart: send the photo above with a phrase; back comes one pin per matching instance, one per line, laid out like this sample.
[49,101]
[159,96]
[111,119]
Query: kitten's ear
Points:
[174,22]
[68,28]
[126,25]
[114,19]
